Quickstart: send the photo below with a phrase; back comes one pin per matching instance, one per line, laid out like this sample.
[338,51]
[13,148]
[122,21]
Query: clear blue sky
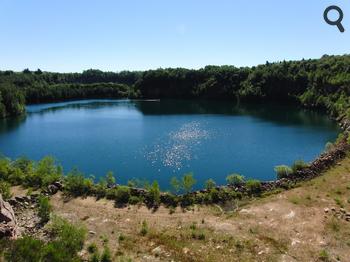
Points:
[114,35]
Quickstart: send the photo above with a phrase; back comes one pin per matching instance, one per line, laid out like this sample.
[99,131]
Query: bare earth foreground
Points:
[308,223]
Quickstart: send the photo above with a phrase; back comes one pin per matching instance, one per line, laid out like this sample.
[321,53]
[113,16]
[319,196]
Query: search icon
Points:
[336,22]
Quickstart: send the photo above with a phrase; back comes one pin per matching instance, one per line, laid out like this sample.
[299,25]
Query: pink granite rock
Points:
[8,223]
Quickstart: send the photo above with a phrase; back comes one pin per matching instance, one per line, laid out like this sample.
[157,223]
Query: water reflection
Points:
[271,112]
[282,115]
[10,124]
[77,105]
[178,147]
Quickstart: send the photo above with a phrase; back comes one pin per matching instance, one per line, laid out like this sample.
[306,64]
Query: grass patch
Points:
[324,256]
[280,245]
[144,228]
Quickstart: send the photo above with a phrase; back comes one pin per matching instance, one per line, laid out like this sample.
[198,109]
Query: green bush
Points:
[69,238]
[153,195]
[210,184]
[67,241]
[199,198]
[188,182]
[324,256]
[77,185]
[283,171]
[4,168]
[144,228]
[235,180]
[10,173]
[204,198]
[120,194]
[214,195]
[299,165]
[110,179]
[101,189]
[44,209]
[185,184]
[25,249]
[134,200]
[44,173]
[5,190]
[24,164]
[175,184]
[235,195]
[106,255]
[222,195]
[254,186]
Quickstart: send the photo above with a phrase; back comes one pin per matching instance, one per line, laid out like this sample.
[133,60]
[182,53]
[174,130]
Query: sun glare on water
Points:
[178,147]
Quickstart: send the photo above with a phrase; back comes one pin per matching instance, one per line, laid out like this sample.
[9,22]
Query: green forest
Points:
[320,83]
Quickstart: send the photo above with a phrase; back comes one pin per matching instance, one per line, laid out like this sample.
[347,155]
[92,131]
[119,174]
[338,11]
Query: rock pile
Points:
[54,188]
[338,213]
[25,209]
[19,202]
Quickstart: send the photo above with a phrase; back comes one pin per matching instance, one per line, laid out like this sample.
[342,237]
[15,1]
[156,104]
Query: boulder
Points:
[8,223]
[52,189]
[59,185]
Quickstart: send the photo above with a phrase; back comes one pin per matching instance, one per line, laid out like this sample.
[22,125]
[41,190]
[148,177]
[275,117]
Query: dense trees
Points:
[324,82]
[58,92]
[321,82]
[11,100]
[16,89]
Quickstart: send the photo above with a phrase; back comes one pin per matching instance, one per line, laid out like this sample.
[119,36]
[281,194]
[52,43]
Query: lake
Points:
[156,140]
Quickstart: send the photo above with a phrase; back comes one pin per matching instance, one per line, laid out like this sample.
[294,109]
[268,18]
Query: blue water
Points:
[156,140]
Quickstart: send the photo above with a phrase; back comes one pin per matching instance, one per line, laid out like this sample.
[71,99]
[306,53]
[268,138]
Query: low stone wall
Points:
[319,165]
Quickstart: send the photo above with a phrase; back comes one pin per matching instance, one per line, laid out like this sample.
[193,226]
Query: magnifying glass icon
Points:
[336,22]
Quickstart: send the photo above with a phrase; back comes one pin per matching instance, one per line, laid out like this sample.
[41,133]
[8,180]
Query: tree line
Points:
[323,82]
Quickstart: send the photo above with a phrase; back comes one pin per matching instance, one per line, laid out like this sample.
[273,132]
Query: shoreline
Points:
[323,162]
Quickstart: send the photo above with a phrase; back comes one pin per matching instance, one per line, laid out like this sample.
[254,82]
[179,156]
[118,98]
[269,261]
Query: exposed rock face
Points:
[8,223]
[26,212]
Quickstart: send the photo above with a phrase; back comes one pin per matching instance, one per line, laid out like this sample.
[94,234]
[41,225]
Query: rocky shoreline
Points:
[19,215]
[315,169]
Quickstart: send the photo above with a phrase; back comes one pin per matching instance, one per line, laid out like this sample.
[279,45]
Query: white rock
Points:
[157,251]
